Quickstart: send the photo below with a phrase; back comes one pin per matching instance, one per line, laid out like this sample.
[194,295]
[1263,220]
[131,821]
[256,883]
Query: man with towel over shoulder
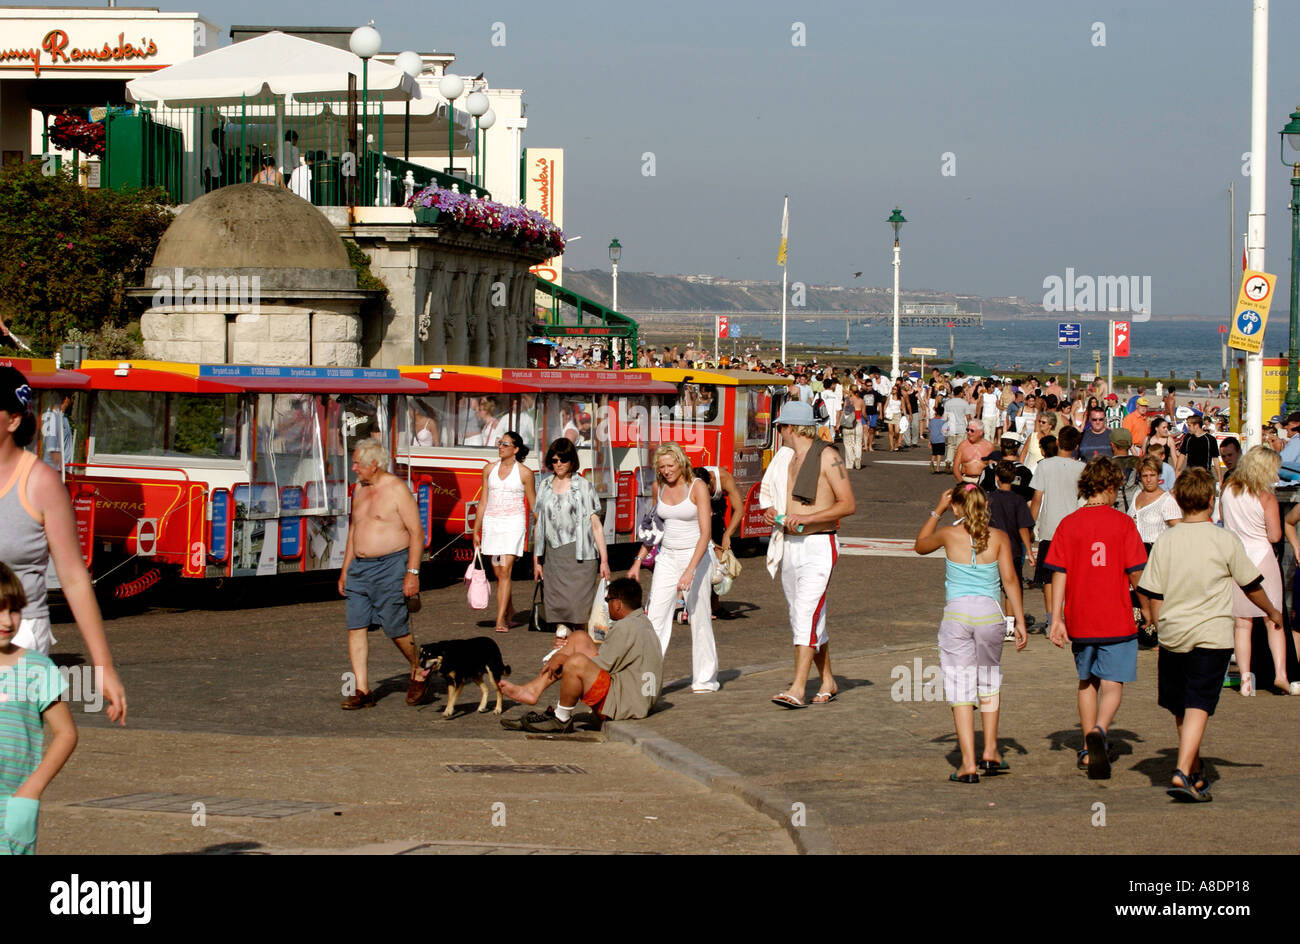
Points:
[817,495]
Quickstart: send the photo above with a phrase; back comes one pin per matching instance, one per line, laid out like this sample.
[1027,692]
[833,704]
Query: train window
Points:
[348,419]
[758,415]
[61,435]
[149,423]
[289,446]
[525,419]
[697,403]
[569,418]
[427,421]
[480,420]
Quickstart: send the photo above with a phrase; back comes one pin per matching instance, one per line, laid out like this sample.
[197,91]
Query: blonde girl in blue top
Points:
[979,568]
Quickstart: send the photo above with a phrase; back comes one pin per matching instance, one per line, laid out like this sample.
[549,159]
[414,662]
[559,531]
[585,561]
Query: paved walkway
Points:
[242,705]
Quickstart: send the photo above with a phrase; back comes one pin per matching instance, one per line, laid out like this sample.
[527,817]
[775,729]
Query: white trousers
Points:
[853,446]
[669,567]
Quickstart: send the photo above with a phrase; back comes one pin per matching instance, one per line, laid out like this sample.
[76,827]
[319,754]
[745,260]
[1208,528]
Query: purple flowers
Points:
[490,217]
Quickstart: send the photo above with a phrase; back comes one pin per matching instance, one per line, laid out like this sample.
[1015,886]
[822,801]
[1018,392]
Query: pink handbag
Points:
[476,582]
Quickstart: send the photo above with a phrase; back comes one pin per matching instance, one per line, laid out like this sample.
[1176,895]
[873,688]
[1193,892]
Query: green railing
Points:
[192,151]
[570,315]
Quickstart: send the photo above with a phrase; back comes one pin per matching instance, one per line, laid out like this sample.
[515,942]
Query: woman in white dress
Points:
[684,564]
[1152,509]
[1250,511]
[500,527]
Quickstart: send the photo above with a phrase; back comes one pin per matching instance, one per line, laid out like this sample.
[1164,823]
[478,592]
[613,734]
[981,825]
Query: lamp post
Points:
[365,42]
[615,253]
[477,105]
[1291,135]
[895,220]
[485,123]
[450,87]
[412,64]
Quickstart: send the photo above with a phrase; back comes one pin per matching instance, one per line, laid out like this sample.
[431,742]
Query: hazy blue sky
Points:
[1112,160]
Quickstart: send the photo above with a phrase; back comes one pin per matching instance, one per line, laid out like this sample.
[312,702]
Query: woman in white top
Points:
[1031,453]
[1250,511]
[894,416]
[684,564]
[500,528]
[1152,509]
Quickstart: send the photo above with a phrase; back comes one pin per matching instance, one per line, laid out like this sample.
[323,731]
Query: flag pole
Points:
[780,258]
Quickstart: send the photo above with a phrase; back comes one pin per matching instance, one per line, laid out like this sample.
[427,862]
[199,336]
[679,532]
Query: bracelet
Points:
[410,570]
[935,517]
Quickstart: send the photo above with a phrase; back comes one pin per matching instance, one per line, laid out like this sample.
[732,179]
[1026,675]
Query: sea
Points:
[1182,345]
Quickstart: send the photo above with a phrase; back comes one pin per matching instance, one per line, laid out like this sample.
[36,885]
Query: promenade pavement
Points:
[238,710]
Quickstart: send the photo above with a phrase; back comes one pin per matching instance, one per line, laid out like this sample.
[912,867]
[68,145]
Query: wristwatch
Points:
[412,571]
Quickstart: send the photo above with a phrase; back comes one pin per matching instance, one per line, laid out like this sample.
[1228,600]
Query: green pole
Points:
[379,162]
[451,124]
[1293,363]
[365,132]
[243,139]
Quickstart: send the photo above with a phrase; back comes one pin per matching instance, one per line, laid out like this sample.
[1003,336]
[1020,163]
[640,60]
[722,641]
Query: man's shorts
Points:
[595,696]
[806,564]
[374,594]
[1041,573]
[938,448]
[1190,679]
[872,419]
[1112,662]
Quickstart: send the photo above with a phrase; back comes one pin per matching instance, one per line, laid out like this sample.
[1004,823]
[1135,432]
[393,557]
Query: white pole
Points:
[614,306]
[783,294]
[1251,433]
[715,340]
[894,367]
[1110,356]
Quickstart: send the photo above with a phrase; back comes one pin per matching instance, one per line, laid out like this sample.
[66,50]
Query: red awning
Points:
[324,385]
[43,375]
[160,381]
[589,381]
[449,381]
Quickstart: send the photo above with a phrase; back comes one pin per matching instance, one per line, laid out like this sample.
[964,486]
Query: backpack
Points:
[847,417]
[820,413]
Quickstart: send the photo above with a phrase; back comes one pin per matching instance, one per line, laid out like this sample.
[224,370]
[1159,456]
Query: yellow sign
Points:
[544,192]
[1251,311]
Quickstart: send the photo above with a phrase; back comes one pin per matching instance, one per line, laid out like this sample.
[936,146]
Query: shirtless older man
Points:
[817,496]
[971,457]
[381,568]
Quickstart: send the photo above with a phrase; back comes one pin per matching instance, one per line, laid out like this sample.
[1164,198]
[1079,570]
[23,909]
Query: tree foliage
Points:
[69,254]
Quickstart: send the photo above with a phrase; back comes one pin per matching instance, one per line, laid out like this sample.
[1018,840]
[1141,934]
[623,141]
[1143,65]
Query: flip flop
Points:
[994,766]
[1187,793]
[1082,761]
[824,698]
[787,701]
[964,778]
[1098,755]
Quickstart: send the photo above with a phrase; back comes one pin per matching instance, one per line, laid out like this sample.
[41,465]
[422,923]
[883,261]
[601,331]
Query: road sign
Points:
[146,537]
[1068,334]
[722,326]
[1087,378]
[1120,339]
[925,351]
[735,331]
[1250,316]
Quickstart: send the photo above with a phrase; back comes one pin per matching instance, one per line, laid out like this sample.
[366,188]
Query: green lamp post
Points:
[896,220]
[1291,135]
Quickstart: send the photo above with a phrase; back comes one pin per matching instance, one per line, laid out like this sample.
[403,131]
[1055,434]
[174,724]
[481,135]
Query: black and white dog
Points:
[460,661]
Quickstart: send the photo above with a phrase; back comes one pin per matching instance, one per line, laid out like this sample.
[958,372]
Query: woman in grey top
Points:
[568,538]
[39,524]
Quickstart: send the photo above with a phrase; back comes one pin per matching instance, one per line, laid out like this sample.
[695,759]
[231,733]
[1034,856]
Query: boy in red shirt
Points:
[1096,556]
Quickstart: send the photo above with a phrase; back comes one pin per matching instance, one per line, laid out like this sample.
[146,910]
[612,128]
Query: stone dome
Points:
[255,229]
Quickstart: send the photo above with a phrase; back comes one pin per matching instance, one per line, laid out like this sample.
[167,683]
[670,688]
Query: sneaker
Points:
[533,717]
[548,724]
[359,700]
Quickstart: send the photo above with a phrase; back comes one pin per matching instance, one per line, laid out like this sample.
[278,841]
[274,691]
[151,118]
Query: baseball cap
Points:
[1012,437]
[16,396]
[1143,401]
[1111,396]
[795,413]
[1121,437]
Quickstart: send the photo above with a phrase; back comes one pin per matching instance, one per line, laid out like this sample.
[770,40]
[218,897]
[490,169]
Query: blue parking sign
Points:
[1068,334]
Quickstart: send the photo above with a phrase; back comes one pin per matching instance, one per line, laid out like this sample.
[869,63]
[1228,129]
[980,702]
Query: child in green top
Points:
[30,690]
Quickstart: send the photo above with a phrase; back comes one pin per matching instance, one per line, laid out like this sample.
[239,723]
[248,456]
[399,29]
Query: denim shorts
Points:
[374,594]
[1112,662]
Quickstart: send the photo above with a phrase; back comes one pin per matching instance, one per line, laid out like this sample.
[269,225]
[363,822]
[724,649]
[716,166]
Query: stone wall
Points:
[278,335]
[453,298]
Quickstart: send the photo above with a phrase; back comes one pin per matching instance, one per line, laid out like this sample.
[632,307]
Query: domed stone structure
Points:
[253,274]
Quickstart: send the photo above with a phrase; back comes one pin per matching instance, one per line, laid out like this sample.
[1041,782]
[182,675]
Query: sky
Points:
[1019,138]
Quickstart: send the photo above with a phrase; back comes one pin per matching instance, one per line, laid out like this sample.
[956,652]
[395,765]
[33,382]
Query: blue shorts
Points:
[871,420]
[374,594]
[1113,662]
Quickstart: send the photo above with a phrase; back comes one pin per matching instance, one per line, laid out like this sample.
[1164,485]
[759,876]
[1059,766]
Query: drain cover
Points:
[214,805]
[514,768]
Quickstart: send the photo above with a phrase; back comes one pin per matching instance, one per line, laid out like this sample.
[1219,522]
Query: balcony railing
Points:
[566,314]
[192,151]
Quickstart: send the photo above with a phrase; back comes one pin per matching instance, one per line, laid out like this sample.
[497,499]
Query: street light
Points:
[450,87]
[615,253]
[412,64]
[1291,135]
[477,105]
[365,42]
[895,220]
[485,123]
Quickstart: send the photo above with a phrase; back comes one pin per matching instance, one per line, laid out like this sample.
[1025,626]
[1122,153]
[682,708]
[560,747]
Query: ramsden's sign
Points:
[59,53]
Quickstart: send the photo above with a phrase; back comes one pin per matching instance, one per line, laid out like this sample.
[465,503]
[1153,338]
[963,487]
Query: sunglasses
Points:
[554,460]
